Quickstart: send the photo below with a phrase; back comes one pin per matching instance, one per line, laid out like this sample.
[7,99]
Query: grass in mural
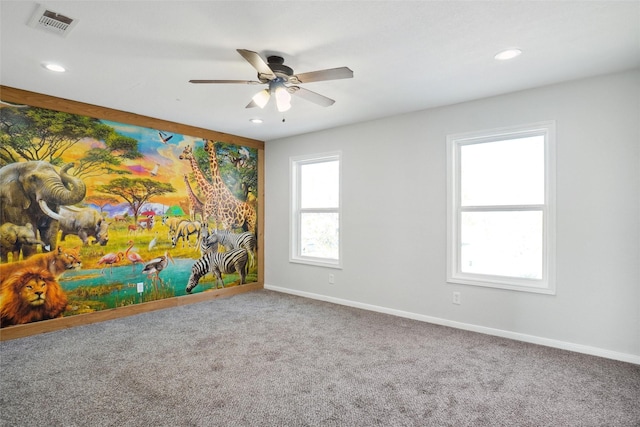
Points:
[229,280]
[119,238]
[95,288]
[119,241]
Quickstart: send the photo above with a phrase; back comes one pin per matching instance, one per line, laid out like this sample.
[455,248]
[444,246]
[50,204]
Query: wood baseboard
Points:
[21,331]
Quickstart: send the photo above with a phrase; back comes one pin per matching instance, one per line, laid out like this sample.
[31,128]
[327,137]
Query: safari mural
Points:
[96,214]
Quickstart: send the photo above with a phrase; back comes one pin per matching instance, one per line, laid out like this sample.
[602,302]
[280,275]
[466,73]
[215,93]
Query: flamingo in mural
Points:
[134,257]
[110,259]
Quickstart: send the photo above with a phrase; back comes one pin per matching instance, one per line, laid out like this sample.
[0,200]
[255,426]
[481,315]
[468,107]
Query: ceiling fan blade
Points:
[247,82]
[316,98]
[258,63]
[318,76]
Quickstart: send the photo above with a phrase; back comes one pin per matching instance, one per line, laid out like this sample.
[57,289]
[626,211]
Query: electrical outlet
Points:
[456,298]
[140,287]
[332,279]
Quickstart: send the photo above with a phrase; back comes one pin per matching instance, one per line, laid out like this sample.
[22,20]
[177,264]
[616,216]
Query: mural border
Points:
[33,99]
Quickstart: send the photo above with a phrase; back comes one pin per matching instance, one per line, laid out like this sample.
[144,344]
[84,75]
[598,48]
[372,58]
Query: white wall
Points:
[394,218]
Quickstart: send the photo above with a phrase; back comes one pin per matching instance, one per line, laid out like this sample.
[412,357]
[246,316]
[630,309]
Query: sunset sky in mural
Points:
[165,156]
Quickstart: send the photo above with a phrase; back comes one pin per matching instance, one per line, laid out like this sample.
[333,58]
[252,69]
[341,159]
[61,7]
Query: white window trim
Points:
[294,219]
[546,285]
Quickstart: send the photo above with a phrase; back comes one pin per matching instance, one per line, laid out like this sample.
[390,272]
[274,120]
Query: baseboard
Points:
[578,348]
[34,328]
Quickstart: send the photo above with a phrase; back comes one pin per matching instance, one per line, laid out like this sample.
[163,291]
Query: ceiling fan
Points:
[282,83]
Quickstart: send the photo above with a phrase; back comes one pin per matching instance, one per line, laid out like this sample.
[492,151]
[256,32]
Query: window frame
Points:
[296,211]
[547,283]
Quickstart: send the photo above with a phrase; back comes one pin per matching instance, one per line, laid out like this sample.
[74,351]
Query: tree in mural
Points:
[101,201]
[237,168]
[136,192]
[100,161]
[40,134]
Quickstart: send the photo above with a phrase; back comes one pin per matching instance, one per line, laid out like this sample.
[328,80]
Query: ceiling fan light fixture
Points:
[261,98]
[275,74]
[283,99]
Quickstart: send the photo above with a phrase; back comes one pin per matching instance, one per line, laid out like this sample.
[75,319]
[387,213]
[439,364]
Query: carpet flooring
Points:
[270,359]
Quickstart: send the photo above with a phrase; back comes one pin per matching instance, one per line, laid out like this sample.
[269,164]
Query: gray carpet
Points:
[270,359]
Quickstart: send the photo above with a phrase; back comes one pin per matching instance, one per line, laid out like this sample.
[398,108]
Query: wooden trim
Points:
[34,99]
[21,331]
[260,226]
[19,96]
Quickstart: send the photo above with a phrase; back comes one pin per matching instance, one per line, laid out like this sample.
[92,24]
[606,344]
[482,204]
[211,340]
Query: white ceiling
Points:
[138,56]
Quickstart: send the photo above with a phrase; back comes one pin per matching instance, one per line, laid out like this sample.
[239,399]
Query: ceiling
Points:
[138,56]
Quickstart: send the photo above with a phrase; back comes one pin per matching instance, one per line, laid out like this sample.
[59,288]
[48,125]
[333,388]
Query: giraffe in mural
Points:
[208,190]
[195,205]
[231,211]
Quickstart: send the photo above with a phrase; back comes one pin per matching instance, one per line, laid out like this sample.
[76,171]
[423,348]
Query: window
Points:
[315,210]
[501,208]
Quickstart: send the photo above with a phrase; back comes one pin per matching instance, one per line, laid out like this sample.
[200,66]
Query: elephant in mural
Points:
[30,191]
[16,238]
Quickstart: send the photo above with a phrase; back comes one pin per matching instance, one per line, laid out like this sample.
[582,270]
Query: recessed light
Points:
[55,67]
[507,54]
[256,120]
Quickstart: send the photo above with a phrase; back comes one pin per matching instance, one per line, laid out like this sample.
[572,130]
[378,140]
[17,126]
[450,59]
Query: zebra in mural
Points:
[208,242]
[219,263]
[229,240]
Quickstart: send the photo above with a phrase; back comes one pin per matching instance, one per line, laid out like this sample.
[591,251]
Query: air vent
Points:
[51,21]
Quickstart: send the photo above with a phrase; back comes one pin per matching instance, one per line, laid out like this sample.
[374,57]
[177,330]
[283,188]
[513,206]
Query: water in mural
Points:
[97,214]
[125,285]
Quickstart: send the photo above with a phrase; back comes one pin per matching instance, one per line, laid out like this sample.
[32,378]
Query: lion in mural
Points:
[30,295]
[56,262]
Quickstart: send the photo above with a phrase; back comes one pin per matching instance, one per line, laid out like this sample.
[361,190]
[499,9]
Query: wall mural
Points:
[96,214]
